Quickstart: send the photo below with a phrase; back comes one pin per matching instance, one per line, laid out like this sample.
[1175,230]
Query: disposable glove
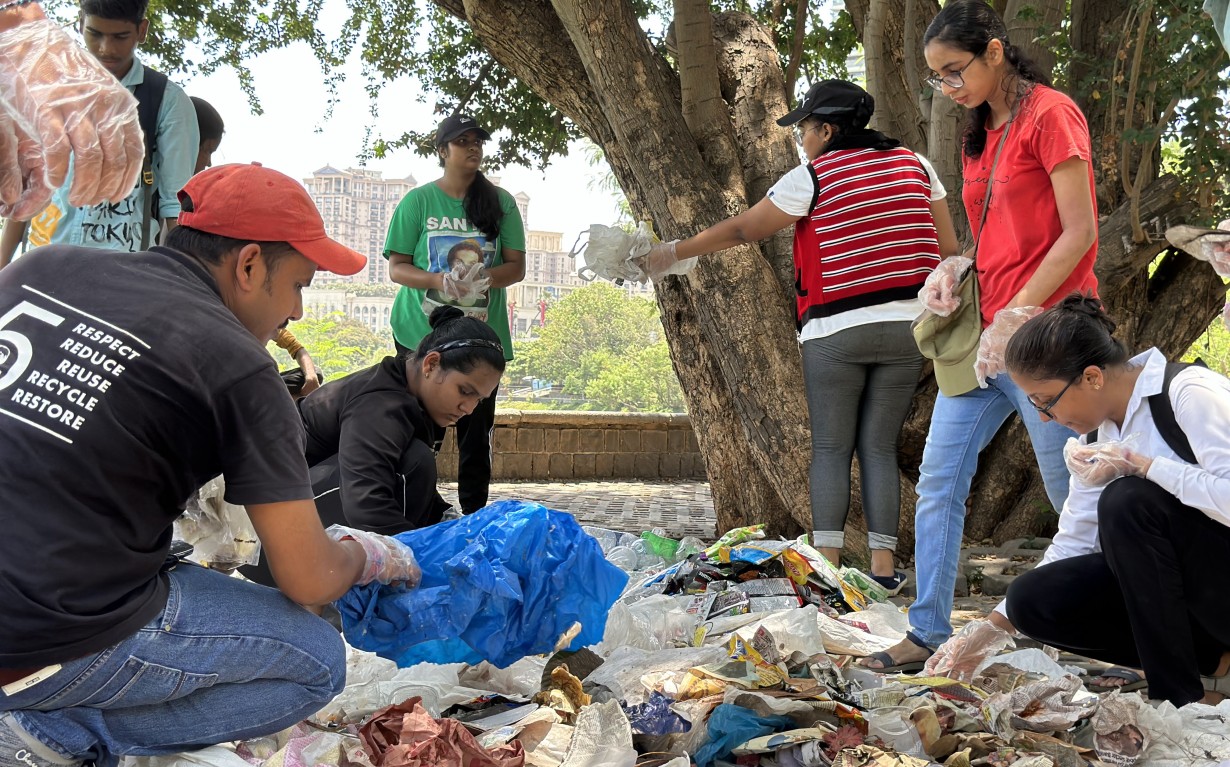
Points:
[388,559]
[467,284]
[661,261]
[23,179]
[994,340]
[938,294]
[1100,463]
[960,656]
[78,111]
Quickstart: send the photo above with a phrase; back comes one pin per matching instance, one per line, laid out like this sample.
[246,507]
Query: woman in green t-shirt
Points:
[459,230]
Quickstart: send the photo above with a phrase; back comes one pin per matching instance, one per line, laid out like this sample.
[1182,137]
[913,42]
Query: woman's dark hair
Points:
[208,120]
[849,134]
[462,342]
[481,203]
[1062,341]
[971,25]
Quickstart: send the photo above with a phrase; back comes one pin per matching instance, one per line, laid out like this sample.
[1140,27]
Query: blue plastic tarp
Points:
[498,585]
[730,725]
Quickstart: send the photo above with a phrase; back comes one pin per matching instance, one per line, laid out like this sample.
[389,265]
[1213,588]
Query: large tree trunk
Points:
[691,149]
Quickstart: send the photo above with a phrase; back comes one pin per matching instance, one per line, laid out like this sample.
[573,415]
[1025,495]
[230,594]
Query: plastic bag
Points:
[994,341]
[655,623]
[499,584]
[602,738]
[938,294]
[611,253]
[960,656]
[1100,463]
[221,534]
[731,725]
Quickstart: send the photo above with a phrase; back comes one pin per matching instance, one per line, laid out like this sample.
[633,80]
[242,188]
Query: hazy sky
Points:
[294,137]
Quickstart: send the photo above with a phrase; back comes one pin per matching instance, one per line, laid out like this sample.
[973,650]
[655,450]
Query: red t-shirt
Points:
[1023,220]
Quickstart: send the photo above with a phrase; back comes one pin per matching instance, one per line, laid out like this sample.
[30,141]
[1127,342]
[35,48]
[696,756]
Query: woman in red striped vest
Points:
[870,223]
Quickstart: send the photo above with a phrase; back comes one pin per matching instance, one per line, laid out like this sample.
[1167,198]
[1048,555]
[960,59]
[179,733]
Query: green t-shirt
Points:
[432,227]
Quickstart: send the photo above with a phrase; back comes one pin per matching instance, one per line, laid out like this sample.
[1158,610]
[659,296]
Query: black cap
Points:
[455,125]
[833,98]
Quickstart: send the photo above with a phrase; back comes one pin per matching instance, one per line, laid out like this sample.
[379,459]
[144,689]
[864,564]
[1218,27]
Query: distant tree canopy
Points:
[338,345]
[604,347]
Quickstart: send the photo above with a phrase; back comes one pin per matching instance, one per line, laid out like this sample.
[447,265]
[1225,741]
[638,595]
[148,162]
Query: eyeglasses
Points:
[1046,409]
[952,80]
[799,133]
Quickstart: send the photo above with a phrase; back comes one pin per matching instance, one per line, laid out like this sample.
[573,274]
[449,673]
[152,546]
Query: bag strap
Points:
[986,204]
[1162,411]
[149,93]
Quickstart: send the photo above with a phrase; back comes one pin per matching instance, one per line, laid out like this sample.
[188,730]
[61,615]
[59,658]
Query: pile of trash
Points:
[742,652]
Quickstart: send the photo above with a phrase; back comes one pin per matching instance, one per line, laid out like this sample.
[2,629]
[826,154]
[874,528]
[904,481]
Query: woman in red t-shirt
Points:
[1036,245]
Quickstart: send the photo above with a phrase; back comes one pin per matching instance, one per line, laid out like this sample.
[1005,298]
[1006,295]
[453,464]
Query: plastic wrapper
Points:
[994,341]
[221,534]
[654,623]
[388,559]
[612,253]
[523,678]
[1043,705]
[372,681]
[500,584]
[79,113]
[655,717]
[938,294]
[623,670]
[1100,463]
[960,657]
[734,537]
[729,726]
[1212,245]
[467,283]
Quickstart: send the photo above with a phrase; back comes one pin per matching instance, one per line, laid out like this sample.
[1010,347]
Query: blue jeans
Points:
[226,660]
[960,428]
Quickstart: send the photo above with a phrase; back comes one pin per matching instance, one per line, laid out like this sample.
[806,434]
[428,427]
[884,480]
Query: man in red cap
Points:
[126,382]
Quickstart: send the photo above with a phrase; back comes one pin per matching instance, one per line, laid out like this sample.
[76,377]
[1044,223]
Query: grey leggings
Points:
[860,383]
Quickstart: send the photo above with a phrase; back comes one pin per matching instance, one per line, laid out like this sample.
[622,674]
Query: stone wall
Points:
[540,445]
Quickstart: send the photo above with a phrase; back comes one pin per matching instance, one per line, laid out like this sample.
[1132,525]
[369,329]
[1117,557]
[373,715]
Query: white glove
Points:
[388,559]
[1101,463]
[76,109]
[994,340]
[661,261]
[466,284]
[938,292]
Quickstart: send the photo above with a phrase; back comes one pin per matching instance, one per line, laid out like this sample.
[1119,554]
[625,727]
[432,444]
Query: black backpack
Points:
[149,94]
[1163,413]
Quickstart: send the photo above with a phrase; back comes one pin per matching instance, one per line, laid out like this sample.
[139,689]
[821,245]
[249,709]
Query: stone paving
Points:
[679,507]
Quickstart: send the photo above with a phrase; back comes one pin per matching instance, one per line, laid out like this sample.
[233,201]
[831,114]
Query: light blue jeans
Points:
[960,428]
[226,660]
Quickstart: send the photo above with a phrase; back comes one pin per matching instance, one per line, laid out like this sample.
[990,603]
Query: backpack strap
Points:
[1162,411]
[149,93]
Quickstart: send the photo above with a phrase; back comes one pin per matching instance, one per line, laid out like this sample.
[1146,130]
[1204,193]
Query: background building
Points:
[357,206]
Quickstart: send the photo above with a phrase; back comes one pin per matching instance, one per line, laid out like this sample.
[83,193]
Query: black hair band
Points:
[463,343]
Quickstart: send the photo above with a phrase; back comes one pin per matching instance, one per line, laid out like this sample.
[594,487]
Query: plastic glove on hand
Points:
[960,656]
[388,559]
[1100,463]
[24,190]
[466,284]
[78,109]
[938,294]
[659,261]
[994,340]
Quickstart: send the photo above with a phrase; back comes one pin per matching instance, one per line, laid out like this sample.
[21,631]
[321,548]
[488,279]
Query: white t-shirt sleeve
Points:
[793,193]
[938,192]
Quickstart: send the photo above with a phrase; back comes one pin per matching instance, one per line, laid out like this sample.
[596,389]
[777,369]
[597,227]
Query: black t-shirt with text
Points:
[125,384]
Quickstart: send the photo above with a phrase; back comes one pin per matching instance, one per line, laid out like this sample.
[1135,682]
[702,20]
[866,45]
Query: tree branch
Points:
[796,47]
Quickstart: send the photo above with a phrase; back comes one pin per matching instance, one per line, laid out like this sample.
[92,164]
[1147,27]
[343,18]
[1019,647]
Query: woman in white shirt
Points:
[1132,575]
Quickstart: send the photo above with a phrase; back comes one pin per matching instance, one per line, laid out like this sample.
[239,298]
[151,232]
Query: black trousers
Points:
[474,434]
[1154,598]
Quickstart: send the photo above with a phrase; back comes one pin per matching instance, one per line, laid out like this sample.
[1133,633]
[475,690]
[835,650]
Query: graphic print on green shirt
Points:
[432,227]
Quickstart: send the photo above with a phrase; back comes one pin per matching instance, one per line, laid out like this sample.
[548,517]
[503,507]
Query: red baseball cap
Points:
[252,202]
